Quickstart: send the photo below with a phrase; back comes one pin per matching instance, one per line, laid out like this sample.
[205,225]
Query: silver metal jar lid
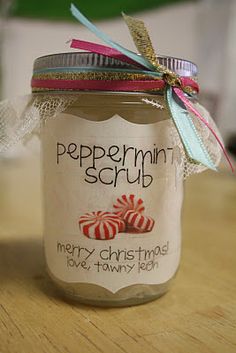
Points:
[91,60]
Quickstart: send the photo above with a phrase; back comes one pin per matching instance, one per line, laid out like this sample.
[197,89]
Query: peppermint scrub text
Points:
[115,164]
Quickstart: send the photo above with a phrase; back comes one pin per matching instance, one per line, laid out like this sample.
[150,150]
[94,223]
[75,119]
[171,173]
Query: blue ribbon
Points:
[189,135]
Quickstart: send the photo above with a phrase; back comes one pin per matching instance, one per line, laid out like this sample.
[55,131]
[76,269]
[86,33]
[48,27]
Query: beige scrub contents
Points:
[112,198]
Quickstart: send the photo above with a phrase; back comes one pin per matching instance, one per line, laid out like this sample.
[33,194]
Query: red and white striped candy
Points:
[122,226]
[125,203]
[138,221]
[101,225]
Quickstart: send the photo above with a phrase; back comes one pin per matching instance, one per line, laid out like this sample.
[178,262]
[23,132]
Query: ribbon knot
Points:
[173,80]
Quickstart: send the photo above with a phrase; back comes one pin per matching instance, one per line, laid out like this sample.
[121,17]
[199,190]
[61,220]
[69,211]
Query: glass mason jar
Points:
[112,189]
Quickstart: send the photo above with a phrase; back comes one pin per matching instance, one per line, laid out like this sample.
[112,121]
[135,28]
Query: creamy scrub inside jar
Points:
[112,193]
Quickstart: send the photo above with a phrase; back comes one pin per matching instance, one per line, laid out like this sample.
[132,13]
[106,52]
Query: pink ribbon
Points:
[103,50]
[105,85]
[98,85]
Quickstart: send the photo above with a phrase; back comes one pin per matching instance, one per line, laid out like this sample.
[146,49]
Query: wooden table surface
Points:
[197,316]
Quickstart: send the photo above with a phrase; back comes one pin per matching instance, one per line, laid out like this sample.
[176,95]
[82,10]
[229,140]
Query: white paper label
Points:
[118,167]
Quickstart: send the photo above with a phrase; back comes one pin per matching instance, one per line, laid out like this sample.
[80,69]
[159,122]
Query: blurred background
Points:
[199,30]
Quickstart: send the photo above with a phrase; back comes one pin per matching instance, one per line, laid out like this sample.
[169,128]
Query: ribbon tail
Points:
[141,39]
[102,49]
[103,36]
[187,131]
[188,105]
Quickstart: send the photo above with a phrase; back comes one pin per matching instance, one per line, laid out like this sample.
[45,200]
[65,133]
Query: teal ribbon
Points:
[189,135]
[182,119]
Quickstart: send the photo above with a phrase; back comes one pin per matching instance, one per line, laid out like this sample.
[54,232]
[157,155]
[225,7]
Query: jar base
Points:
[112,303]
[91,294]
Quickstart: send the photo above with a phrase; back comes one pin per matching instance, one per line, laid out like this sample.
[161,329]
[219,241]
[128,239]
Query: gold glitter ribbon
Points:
[93,75]
[141,39]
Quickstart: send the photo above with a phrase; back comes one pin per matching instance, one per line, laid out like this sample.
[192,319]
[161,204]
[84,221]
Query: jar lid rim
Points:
[69,60]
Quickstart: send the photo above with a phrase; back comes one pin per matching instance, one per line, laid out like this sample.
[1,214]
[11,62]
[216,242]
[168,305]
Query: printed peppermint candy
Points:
[126,203]
[122,226]
[101,225]
[138,222]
